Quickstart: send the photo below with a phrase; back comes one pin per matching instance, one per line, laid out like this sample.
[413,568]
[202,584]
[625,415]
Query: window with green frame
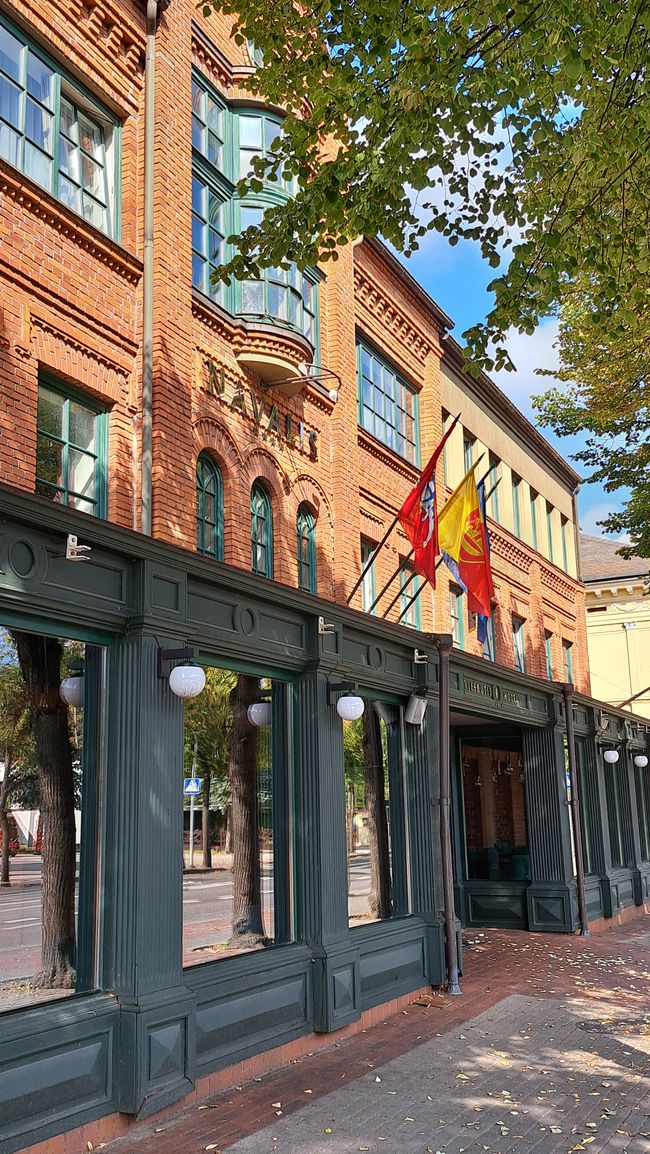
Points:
[614,799]
[55,133]
[490,643]
[642,786]
[225,140]
[567,654]
[468,450]
[456,615]
[209,507]
[516,508]
[261,531]
[534,539]
[548,647]
[306,533]
[410,585]
[492,486]
[585,782]
[71,448]
[565,548]
[368,584]
[549,532]
[388,406]
[519,643]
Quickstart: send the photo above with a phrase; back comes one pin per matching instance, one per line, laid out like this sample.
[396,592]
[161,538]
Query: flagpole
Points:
[399,594]
[415,595]
[396,518]
[391,579]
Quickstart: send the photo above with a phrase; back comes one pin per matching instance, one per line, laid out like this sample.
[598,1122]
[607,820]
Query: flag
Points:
[482,620]
[462,539]
[419,516]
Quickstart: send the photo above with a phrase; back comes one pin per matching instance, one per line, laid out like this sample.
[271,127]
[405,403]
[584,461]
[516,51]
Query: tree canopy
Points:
[522,127]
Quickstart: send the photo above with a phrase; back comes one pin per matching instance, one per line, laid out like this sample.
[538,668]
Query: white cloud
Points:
[528,354]
[590,517]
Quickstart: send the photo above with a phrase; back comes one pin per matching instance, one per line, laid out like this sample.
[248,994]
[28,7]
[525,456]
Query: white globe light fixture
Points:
[259,713]
[640,761]
[187,681]
[611,756]
[349,707]
[72,690]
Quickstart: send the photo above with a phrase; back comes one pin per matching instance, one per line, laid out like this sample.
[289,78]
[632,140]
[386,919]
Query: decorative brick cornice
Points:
[380,453]
[507,548]
[369,293]
[559,584]
[41,204]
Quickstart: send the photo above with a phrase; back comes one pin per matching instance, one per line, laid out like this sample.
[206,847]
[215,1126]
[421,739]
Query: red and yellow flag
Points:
[419,517]
[462,537]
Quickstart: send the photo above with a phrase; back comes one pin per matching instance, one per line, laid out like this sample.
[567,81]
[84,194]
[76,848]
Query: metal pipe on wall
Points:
[567,691]
[147,277]
[445,643]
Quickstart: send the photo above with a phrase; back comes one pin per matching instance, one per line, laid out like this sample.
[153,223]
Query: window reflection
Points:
[494,801]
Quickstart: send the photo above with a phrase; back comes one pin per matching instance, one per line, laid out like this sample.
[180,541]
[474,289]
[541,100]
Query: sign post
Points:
[191,788]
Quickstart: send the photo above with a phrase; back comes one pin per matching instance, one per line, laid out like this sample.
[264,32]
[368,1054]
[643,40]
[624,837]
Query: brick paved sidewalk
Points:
[551,1037]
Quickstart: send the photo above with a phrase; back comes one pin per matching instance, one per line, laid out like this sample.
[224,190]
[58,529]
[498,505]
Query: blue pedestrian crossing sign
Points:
[192,785]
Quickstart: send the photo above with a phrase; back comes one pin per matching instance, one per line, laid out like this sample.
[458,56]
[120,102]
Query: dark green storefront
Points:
[143,1027]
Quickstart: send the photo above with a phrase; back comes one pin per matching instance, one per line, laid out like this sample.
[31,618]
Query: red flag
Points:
[419,516]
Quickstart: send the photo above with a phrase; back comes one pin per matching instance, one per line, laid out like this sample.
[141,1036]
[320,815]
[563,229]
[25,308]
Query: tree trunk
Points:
[373,772]
[247,927]
[5,880]
[206,833]
[40,665]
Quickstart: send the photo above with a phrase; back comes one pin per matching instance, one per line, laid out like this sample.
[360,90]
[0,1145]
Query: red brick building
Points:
[72,320]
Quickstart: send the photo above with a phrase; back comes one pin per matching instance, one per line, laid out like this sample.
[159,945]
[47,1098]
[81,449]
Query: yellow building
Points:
[618,624]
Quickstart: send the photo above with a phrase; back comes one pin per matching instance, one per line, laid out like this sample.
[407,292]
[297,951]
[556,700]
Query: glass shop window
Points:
[237,854]
[51,694]
[375,816]
[494,806]
[586,820]
[613,793]
[642,785]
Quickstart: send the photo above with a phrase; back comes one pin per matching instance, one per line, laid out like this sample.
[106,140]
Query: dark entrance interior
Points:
[494,805]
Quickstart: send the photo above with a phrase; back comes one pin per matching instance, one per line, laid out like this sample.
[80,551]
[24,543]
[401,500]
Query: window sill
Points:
[44,205]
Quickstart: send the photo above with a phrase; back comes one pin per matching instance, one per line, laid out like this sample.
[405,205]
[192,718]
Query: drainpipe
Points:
[444,643]
[567,691]
[147,279]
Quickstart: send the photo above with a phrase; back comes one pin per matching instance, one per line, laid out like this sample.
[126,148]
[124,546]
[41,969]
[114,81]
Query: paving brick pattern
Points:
[552,1037]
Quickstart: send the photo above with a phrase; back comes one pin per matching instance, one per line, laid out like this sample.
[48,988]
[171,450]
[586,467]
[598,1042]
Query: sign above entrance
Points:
[499,696]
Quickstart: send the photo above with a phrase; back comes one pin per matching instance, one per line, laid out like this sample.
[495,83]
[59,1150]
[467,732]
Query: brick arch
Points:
[262,466]
[213,438]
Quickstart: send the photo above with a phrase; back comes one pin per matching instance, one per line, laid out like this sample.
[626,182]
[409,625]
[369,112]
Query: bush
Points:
[14,843]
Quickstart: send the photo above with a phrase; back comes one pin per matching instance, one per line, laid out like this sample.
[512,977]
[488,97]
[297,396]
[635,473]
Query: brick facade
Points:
[72,306]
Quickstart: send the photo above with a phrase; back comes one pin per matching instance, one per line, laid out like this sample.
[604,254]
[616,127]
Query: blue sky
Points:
[457,279]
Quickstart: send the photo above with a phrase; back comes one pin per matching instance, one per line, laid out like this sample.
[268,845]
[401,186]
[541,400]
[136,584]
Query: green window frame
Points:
[456,615]
[490,643]
[533,519]
[492,481]
[446,417]
[549,532]
[209,507]
[225,138]
[516,508]
[642,785]
[468,450]
[306,542]
[519,643]
[586,824]
[56,133]
[548,648]
[565,549]
[387,404]
[567,654]
[368,549]
[261,531]
[71,448]
[410,585]
[614,813]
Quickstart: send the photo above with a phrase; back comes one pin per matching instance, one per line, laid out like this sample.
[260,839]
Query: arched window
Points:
[261,531]
[209,508]
[306,526]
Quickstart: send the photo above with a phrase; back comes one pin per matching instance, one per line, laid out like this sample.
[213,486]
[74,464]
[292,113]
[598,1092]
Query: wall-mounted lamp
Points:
[640,760]
[259,713]
[72,687]
[611,756]
[186,679]
[416,707]
[349,705]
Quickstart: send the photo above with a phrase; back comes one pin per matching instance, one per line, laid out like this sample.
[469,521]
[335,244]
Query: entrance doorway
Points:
[494,806]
